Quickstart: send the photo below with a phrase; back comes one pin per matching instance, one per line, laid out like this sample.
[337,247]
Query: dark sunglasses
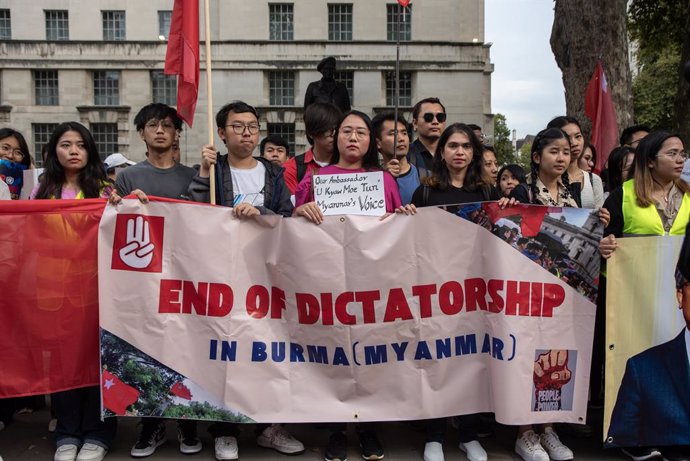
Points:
[429,117]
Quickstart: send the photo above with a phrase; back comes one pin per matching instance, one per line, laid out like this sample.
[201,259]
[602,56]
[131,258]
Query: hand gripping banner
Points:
[278,320]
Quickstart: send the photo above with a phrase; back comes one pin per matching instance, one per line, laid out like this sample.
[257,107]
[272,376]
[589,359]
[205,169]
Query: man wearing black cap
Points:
[653,403]
[327,89]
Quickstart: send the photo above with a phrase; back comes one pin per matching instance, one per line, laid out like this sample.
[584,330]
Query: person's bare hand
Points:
[208,158]
[604,216]
[311,211]
[607,246]
[393,167]
[245,210]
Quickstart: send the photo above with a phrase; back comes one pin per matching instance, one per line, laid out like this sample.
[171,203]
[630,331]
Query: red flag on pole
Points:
[117,396]
[182,57]
[404,3]
[599,108]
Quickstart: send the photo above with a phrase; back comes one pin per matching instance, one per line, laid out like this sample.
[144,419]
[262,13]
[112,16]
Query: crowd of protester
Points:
[447,164]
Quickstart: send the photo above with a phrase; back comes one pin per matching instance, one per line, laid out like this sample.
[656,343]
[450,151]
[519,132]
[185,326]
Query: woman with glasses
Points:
[13,150]
[654,201]
[354,152]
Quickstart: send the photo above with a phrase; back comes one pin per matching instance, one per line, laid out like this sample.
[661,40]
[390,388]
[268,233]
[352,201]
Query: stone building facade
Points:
[99,61]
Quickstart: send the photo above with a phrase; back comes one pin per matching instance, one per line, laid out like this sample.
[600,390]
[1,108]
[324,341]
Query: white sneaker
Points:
[433,451]
[67,452]
[278,438]
[474,451]
[91,452]
[226,448]
[554,447]
[529,447]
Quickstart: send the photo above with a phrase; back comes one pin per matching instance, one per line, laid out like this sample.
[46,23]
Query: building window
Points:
[105,136]
[106,88]
[405,89]
[113,25]
[281,86]
[164,20]
[280,21]
[46,87]
[395,12]
[41,134]
[164,87]
[348,78]
[5,25]
[339,21]
[285,131]
[57,25]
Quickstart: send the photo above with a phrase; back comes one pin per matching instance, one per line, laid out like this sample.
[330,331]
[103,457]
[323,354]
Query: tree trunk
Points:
[681,122]
[583,34]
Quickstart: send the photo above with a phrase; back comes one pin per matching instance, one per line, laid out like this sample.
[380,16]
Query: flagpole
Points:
[209,94]
[401,10]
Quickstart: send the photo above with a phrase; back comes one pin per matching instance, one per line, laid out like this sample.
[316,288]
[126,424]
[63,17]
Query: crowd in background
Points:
[639,193]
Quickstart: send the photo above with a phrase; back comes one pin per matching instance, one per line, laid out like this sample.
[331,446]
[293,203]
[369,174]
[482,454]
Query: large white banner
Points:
[357,319]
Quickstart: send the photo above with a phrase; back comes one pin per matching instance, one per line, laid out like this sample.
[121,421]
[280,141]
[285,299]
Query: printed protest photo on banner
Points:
[564,241]
[647,369]
[276,302]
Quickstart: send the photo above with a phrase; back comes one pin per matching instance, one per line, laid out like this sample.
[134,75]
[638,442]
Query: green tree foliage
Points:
[654,90]
[204,411]
[659,29]
[150,377]
[502,142]
[524,159]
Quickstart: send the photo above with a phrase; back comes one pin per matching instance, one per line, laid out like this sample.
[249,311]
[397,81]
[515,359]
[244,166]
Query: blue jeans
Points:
[78,414]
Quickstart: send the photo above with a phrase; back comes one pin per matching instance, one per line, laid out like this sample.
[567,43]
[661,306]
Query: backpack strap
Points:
[301,167]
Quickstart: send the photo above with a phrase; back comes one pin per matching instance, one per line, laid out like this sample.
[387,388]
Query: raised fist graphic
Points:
[551,370]
[138,251]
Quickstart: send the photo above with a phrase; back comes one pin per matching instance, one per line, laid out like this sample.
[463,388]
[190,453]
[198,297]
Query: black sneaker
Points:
[186,435]
[151,437]
[642,453]
[370,445]
[337,447]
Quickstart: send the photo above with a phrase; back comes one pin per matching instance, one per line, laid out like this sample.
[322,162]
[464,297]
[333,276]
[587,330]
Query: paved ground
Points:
[27,439]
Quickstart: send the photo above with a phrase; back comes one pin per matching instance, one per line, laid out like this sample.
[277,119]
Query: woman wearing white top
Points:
[591,188]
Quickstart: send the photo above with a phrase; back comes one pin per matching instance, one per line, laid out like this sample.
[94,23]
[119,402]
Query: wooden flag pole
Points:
[209,101]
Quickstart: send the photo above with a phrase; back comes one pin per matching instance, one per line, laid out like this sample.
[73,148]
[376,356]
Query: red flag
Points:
[531,217]
[182,57]
[404,3]
[49,286]
[181,391]
[117,396]
[599,108]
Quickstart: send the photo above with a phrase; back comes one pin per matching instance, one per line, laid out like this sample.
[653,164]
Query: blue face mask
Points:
[13,175]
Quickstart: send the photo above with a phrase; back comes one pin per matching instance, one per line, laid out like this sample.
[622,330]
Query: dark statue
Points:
[328,89]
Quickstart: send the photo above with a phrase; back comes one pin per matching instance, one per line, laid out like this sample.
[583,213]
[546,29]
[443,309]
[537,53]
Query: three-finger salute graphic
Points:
[138,243]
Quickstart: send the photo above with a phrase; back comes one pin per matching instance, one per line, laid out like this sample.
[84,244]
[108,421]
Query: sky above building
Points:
[526,85]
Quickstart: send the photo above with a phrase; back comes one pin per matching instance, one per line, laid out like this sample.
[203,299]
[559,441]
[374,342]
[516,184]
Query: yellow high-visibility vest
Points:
[646,221]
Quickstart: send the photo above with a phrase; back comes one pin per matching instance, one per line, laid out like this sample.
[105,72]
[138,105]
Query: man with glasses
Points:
[252,186]
[429,121]
[159,175]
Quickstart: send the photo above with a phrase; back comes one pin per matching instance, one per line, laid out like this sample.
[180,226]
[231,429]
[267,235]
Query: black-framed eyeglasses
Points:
[238,128]
[429,117]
